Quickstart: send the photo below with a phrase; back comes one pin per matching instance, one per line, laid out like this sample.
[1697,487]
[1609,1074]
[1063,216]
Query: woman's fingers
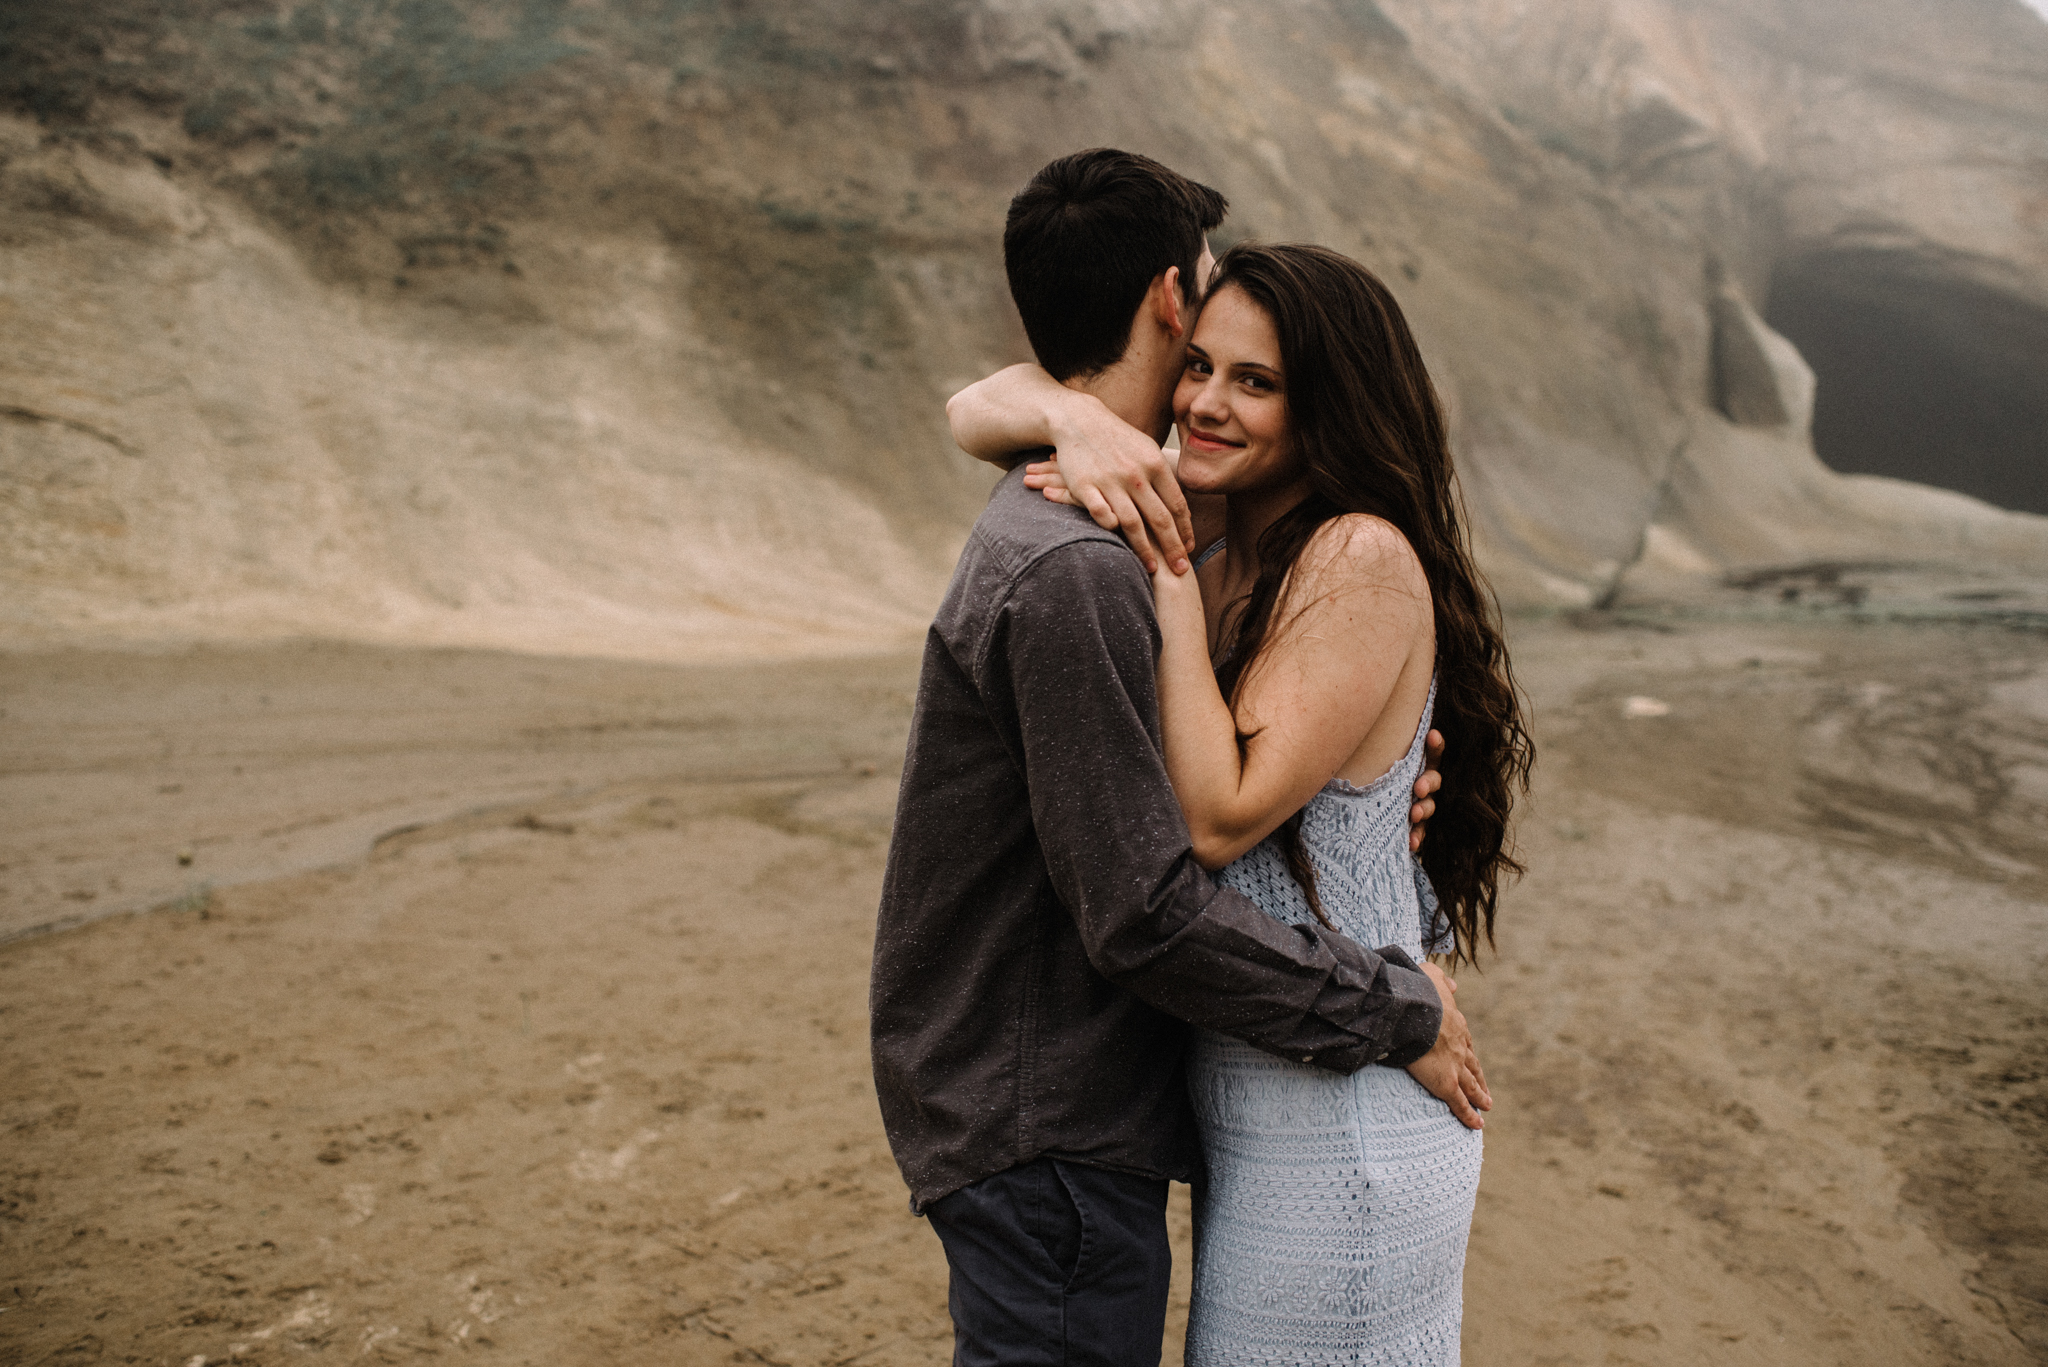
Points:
[1164,527]
[1134,505]
[1132,525]
[1098,507]
[1113,510]
[1119,515]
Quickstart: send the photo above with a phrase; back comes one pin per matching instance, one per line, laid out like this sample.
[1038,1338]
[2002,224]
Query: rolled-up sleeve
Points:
[1074,649]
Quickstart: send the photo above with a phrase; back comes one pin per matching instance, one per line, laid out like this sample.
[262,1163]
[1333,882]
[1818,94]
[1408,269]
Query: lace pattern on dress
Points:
[1334,1220]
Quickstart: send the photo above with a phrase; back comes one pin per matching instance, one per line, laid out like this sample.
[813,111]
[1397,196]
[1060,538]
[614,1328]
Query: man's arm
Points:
[1073,650]
[1111,469]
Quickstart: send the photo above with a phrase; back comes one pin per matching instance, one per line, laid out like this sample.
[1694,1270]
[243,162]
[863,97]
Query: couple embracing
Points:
[1153,909]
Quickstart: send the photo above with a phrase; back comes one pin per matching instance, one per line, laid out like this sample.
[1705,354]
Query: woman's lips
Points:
[1205,442]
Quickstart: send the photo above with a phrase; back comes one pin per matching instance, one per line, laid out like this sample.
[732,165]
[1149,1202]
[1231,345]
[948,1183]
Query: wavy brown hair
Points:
[1369,429]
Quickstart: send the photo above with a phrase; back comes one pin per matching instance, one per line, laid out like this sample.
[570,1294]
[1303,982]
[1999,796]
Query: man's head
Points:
[1086,239]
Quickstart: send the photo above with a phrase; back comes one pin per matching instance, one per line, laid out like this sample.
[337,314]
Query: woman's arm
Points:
[1107,466]
[1353,615]
[1009,414]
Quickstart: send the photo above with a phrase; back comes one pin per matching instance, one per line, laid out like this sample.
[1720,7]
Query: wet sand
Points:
[517,1006]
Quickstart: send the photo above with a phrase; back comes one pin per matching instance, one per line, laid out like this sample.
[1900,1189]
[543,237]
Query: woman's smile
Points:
[1231,404]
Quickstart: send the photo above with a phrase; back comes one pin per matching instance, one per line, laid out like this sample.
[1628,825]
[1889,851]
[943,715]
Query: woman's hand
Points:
[1450,1070]
[1112,469]
[1047,477]
[1120,476]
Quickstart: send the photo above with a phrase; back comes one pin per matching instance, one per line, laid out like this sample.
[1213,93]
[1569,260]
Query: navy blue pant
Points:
[1056,1265]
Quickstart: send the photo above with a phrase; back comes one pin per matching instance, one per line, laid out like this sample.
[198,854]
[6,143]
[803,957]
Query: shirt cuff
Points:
[1415,1030]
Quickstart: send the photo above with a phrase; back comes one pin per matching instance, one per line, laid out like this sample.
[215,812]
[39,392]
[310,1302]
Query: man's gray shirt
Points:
[1045,935]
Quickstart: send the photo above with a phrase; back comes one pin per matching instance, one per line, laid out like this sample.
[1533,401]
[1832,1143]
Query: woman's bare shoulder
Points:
[1358,550]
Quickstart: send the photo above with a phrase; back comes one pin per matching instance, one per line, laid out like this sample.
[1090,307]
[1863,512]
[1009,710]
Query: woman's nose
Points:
[1208,403]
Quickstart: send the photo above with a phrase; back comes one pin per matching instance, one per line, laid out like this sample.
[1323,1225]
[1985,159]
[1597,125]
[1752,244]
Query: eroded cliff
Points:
[625,327]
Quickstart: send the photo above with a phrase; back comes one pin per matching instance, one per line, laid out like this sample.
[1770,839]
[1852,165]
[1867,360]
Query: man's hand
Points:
[1426,784]
[1121,477]
[1450,1070]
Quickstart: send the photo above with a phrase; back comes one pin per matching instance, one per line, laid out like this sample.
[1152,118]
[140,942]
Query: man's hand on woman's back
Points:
[1426,784]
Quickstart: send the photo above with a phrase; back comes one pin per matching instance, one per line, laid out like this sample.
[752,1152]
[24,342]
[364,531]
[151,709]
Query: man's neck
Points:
[1133,391]
[1124,392]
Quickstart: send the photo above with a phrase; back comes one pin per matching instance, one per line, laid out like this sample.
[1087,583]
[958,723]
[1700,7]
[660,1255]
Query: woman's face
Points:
[1231,403]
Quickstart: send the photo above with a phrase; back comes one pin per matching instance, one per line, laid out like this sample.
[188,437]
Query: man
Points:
[1045,936]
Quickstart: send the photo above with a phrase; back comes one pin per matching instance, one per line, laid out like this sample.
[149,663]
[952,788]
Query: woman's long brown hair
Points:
[1369,429]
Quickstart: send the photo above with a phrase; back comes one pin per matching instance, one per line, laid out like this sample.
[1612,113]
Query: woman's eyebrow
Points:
[1255,365]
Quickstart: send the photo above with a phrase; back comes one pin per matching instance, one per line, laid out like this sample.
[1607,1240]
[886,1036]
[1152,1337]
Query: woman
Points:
[1300,668]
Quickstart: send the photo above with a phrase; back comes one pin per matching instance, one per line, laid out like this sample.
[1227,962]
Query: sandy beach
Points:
[482,1003]
[496,983]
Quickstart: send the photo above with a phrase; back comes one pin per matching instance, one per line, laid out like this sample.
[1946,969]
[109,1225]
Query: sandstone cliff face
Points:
[1870,175]
[626,327]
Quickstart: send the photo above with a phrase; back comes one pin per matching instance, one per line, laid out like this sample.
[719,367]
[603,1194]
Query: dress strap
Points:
[1214,546]
[1428,715]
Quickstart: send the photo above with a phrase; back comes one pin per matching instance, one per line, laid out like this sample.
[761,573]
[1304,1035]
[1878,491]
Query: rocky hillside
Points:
[624,325]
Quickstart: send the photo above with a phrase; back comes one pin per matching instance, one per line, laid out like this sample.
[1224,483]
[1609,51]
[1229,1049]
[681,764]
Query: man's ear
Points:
[1166,301]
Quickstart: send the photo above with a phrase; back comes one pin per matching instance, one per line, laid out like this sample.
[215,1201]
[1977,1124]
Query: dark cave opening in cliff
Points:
[1922,375]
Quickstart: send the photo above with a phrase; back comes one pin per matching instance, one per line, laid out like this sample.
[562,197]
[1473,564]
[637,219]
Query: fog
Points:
[474,483]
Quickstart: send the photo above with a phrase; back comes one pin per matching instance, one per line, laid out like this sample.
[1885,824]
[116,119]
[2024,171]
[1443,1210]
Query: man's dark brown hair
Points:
[1083,241]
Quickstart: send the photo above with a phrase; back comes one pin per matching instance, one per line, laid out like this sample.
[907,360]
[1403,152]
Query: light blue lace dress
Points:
[1333,1222]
